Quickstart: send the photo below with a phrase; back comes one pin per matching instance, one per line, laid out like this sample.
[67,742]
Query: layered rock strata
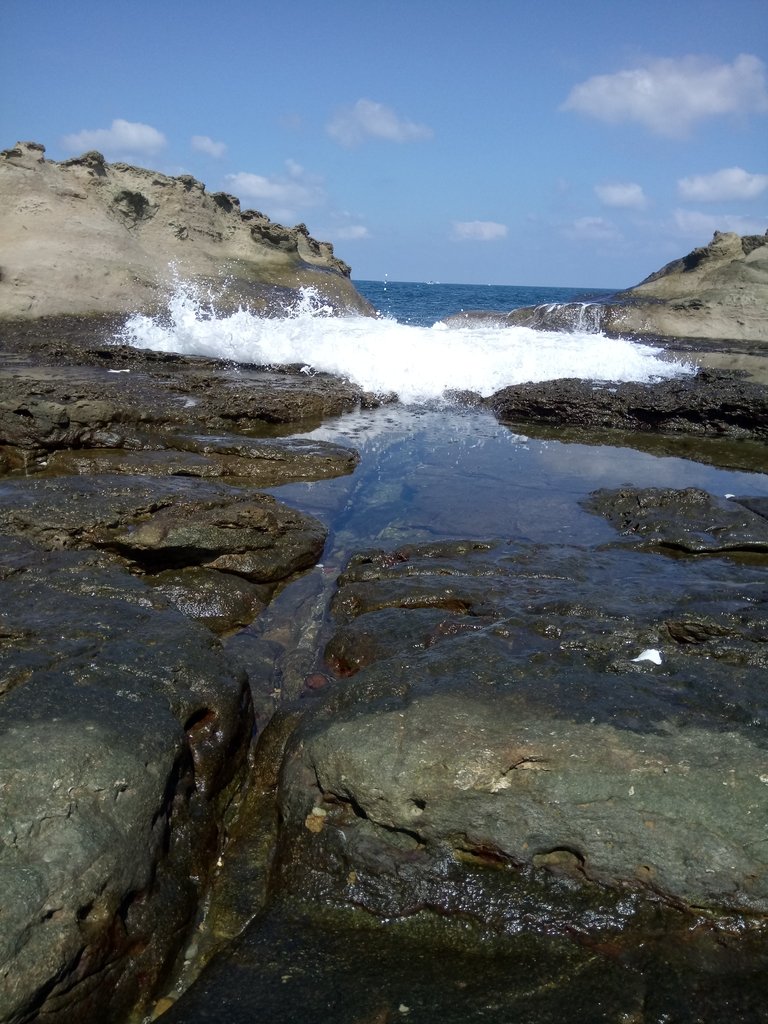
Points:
[717,292]
[84,236]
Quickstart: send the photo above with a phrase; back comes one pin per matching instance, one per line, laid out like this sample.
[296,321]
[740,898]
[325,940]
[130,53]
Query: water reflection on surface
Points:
[443,474]
[449,473]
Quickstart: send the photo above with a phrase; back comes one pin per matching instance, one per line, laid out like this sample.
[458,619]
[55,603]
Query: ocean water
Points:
[407,349]
[422,303]
[431,468]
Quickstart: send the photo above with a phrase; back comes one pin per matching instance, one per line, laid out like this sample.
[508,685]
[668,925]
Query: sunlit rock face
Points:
[84,236]
[718,292]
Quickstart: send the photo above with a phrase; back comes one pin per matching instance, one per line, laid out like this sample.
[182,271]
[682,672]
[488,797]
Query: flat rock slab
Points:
[457,776]
[123,734]
[163,523]
[79,393]
[710,403]
[589,716]
[242,460]
[689,520]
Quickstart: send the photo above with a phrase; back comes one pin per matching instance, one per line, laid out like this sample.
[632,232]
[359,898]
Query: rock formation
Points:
[718,292]
[132,544]
[83,236]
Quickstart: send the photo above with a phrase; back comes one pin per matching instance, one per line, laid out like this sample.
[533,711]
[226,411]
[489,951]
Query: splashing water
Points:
[419,364]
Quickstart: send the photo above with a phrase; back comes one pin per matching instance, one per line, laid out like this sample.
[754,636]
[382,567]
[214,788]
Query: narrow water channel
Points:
[442,474]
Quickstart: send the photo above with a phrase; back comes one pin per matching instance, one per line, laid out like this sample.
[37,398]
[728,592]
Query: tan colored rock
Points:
[716,293]
[719,291]
[83,236]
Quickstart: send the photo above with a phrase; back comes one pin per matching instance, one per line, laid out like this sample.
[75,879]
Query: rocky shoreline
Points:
[132,538]
[718,292]
[480,776]
[86,237]
[466,753]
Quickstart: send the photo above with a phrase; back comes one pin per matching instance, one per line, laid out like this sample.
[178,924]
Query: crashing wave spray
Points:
[419,364]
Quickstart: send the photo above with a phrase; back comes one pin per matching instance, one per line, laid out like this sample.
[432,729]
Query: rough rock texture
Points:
[124,726]
[549,713]
[291,966]
[161,414]
[540,772]
[131,534]
[123,735]
[690,520]
[164,523]
[711,403]
[719,292]
[84,236]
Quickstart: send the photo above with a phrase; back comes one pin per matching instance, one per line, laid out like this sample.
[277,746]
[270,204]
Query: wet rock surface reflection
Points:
[514,728]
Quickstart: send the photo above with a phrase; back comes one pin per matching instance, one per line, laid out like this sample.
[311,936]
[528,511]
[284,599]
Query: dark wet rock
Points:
[369,637]
[711,403]
[757,505]
[404,792]
[69,397]
[128,723]
[689,520]
[164,523]
[530,735]
[261,463]
[124,735]
[292,966]
[219,600]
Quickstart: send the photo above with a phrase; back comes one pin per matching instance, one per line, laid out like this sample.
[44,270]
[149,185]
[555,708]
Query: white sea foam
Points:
[420,364]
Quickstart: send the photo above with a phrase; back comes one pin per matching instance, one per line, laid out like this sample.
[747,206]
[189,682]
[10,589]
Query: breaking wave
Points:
[419,364]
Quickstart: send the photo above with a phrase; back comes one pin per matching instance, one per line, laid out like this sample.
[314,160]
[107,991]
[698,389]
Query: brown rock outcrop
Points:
[716,293]
[83,236]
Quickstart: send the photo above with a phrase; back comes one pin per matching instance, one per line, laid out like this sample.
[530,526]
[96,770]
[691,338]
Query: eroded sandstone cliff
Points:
[85,236]
[718,292]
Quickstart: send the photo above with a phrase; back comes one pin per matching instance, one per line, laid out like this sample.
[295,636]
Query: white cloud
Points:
[730,183]
[669,95]
[205,144]
[696,225]
[592,229]
[369,120]
[123,137]
[478,230]
[625,195]
[281,197]
[352,232]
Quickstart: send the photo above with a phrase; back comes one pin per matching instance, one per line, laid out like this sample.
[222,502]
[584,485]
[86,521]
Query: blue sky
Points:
[539,142]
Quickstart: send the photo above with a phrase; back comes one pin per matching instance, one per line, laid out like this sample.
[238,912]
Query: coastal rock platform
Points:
[710,403]
[124,744]
[132,537]
[507,758]
[524,761]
